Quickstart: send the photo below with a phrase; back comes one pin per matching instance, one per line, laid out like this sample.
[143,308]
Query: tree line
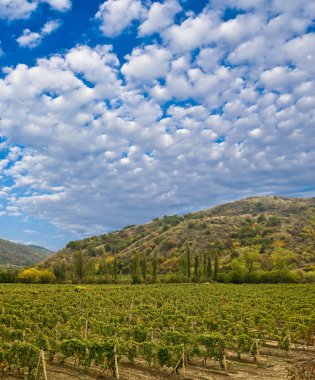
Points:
[249,267]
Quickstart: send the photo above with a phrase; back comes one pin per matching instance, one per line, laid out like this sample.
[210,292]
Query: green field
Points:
[158,324]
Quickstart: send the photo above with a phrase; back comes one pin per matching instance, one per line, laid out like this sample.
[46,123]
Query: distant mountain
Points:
[20,254]
[261,222]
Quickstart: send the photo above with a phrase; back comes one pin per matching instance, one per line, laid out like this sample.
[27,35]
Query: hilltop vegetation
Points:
[13,254]
[266,239]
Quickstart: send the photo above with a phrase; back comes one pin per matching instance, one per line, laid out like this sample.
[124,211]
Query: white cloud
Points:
[50,27]
[33,39]
[160,16]
[147,64]
[15,9]
[60,5]
[192,33]
[28,38]
[209,108]
[21,9]
[117,15]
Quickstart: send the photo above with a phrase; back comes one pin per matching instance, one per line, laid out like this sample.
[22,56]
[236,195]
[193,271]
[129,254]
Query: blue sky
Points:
[114,112]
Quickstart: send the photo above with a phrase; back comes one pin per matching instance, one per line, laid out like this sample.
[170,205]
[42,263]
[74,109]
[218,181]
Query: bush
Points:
[273,221]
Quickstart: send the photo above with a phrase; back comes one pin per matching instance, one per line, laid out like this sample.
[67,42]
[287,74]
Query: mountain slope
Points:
[261,222]
[20,254]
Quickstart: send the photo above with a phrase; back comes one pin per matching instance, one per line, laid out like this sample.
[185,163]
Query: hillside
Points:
[259,222]
[21,255]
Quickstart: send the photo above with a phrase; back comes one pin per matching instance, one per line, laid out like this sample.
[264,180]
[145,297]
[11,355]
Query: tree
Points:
[216,266]
[237,273]
[281,258]
[204,265]
[197,271]
[188,259]
[135,269]
[36,276]
[209,267]
[154,265]
[250,257]
[115,269]
[103,268]
[79,266]
[143,264]
[59,271]
[183,267]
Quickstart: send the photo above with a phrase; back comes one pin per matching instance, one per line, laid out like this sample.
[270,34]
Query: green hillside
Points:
[259,224]
[13,254]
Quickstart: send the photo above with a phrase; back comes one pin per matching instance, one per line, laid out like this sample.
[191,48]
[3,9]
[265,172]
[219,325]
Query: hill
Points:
[261,223]
[21,255]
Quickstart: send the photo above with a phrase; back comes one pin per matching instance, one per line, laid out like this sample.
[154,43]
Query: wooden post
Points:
[86,329]
[224,363]
[116,363]
[41,372]
[257,347]
[184,372]
[37,369]
[289,341]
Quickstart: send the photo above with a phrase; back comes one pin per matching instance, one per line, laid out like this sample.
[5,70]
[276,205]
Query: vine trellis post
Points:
[41,372]
[116,363]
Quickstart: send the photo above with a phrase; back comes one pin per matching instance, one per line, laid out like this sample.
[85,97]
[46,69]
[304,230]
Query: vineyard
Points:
[170,328]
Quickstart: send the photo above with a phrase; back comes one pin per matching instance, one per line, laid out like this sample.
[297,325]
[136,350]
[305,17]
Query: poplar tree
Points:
[188,259]
[79,267]
[196,271]
[135,269]
[204,265]
[144,266]
[216,266]
[115,269]
[154,265]
[209,267]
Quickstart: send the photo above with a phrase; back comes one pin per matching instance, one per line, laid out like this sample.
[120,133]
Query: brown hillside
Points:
[262,222]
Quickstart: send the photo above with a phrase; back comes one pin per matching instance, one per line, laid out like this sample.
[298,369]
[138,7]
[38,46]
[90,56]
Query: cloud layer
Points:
[219,105]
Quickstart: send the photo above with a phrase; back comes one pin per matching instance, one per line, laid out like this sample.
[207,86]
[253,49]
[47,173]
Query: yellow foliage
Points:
[170,264]
[109,259]
[279,243]
[36,276]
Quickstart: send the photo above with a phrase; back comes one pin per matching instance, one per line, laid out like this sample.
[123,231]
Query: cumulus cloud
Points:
[213,109]
[159,16]
[32,39]
[117,15]
[21,9]
[28,38]
[147,64]
[60,5]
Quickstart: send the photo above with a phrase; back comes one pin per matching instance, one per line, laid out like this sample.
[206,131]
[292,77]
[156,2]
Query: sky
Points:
[115,112]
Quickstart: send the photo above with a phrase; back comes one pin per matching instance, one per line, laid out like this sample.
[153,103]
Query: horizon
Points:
[119,111]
